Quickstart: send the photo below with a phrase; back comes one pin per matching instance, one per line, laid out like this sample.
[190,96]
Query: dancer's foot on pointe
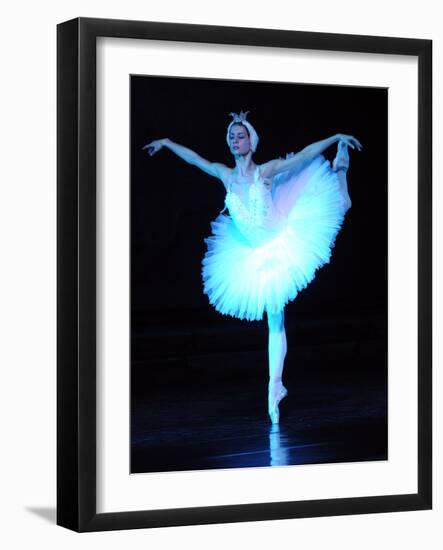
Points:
[341,161]
[276,393]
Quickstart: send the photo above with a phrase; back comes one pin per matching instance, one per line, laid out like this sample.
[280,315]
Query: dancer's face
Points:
[239,140]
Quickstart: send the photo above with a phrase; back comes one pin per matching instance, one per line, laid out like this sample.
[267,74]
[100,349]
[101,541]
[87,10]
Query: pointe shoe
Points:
[341,161]
[273,402]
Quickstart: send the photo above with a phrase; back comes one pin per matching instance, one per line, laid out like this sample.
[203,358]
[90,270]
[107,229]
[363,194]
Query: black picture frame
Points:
[76,273]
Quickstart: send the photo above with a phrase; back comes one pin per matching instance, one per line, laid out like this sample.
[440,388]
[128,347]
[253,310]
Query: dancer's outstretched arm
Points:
[215,169]
[274,167]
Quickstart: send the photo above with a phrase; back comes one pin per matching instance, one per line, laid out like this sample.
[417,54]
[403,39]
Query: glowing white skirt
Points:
[243,277]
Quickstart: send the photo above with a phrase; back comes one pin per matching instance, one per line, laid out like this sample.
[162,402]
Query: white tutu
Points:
[265,252]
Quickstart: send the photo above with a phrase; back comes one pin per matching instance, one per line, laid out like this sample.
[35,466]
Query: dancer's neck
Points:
[244,165]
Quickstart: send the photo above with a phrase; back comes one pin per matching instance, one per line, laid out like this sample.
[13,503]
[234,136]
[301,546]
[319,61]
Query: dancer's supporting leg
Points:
[277,348]
[340,165]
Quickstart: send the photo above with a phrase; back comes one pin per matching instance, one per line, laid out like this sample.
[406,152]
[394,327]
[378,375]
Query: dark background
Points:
[174,202]
[180,346]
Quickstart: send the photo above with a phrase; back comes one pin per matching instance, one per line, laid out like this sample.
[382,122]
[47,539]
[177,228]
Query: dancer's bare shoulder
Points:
[267,172]
[222,172]
[268,169]
[215,169]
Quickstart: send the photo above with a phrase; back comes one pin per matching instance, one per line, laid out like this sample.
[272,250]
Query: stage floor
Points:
[216,418]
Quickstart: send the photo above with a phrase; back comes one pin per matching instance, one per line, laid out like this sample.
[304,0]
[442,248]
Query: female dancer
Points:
[284,218]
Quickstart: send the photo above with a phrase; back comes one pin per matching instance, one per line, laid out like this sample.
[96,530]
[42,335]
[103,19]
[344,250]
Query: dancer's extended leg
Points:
[277,348]
[340,165]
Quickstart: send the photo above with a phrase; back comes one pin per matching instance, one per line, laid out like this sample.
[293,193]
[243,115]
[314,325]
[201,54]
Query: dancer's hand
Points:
[350,140]
[154,146]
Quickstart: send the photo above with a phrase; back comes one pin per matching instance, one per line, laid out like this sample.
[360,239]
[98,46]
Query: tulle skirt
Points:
[244,280]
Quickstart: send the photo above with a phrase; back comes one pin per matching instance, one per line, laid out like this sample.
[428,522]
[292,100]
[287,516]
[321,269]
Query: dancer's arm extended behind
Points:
[215,169]
[298,160]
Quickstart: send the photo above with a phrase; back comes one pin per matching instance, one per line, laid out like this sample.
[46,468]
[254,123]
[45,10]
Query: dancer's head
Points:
[241,135]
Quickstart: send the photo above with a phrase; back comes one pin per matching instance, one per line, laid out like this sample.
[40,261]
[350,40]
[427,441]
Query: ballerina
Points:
[284,218]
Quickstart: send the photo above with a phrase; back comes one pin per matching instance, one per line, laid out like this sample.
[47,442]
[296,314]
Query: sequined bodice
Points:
[255,216]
